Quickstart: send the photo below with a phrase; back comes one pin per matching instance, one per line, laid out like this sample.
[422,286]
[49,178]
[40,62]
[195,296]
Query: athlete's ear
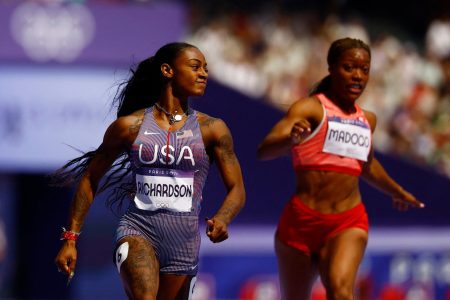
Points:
[167,70]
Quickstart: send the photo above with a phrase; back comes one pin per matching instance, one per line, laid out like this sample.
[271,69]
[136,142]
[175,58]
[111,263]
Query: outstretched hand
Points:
[216,230]
[405,200]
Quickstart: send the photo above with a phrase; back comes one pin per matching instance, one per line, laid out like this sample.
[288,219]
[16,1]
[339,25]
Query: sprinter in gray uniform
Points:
[168,147]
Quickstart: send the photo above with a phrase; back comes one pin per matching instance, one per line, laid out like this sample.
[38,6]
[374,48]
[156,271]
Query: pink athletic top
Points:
[341,143]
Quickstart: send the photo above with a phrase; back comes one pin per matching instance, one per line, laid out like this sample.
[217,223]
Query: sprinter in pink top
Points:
[324,227]
[340,143]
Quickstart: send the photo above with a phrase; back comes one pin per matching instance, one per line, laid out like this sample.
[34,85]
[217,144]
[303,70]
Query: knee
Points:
[140,297]
[339,289]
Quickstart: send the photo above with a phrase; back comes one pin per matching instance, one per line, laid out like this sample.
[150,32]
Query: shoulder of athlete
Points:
[308,108]
[123,131]
[210,123]
[371,118]
[211,128]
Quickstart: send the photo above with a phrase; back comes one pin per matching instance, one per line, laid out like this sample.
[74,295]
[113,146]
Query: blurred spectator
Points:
[438,37]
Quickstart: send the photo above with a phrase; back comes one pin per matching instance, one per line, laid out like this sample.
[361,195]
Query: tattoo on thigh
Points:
[142,267]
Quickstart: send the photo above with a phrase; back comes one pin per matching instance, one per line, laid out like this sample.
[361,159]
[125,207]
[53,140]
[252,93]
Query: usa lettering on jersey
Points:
[167,155]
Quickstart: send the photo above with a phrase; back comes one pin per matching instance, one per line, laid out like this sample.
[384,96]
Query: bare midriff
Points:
[327,192]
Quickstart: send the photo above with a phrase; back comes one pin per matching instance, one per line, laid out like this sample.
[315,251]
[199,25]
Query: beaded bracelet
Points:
[69,235]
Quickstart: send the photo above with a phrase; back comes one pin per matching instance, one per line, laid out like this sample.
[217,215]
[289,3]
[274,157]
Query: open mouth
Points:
[356,88]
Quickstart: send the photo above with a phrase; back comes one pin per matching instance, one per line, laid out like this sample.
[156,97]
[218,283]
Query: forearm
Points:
[233,203]
[377,176]
[81,203]
[274,147]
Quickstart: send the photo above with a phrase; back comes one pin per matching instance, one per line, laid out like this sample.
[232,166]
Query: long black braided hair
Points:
[141,90]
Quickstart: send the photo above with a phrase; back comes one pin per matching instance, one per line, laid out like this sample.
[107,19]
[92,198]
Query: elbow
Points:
[243,199]
[271,151]
[241,189]
[90,182]
[261,154]
[242,196]
[265,156]
[240,204]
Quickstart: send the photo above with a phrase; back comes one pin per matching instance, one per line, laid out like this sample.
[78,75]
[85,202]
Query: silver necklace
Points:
[173,118]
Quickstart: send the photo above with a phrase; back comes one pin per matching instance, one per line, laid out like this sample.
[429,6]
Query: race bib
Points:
[348,137]
[164,189]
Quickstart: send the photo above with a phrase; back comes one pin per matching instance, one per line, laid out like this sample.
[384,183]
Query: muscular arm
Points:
[116,139]
[375,174]
[221,142]
[85,191]
[300,120]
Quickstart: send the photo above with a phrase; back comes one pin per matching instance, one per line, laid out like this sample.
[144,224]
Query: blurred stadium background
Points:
[61,61]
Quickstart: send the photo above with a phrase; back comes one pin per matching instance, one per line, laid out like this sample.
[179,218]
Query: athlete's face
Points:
[190,73]
[350,74]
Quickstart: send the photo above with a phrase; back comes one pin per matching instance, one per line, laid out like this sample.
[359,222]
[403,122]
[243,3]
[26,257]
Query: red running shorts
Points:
[307,230]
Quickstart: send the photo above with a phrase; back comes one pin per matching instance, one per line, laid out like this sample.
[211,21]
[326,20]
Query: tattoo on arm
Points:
[227,154]
[80,206]
[228,211]
[133,129]
[208,122]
